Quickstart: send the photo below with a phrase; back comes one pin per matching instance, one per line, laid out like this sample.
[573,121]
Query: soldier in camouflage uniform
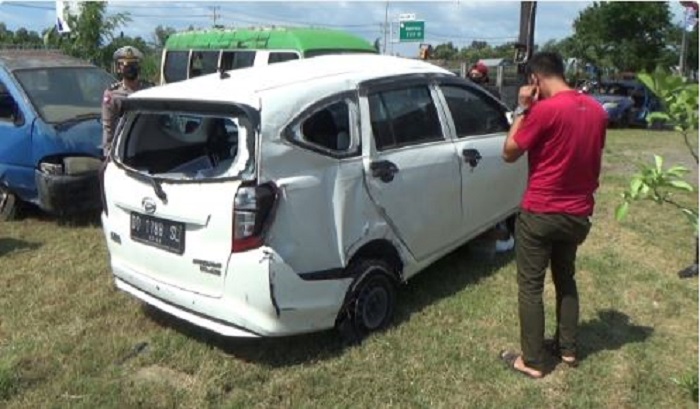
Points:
[126,65]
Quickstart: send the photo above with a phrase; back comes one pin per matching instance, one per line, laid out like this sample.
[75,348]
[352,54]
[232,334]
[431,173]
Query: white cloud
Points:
[460,21]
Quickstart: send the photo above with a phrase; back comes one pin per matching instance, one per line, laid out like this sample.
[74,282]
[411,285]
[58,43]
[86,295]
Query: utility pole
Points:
[214,13]
[526,39]
[386,22]
[684,43]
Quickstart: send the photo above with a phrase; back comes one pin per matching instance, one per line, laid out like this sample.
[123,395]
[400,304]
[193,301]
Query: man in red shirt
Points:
[563,132]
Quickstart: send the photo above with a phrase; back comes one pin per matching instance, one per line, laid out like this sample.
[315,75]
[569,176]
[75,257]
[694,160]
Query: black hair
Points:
[548,64]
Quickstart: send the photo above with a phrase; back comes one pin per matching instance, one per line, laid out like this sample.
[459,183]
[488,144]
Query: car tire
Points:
[370,301]
[8,204]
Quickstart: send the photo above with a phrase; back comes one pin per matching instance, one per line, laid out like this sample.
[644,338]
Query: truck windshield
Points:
[177,145]
[60,94]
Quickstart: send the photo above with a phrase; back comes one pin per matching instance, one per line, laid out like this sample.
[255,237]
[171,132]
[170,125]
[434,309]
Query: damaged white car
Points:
[295,197]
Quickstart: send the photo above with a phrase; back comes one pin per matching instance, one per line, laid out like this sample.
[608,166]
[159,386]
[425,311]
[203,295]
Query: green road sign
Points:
[411,30]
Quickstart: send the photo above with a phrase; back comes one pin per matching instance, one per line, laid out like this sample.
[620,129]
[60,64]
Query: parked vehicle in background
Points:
[50,132]
[294,197]
[192,53]
[627,102]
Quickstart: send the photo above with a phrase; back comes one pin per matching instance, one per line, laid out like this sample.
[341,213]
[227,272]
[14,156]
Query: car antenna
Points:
[223,74]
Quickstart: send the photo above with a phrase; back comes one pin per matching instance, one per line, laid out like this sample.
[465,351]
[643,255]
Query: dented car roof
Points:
[23,59]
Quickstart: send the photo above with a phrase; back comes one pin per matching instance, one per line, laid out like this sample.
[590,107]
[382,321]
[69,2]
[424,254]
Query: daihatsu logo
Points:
[149,205]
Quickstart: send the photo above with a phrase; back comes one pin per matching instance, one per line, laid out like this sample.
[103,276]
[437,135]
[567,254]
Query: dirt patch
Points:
[161,375]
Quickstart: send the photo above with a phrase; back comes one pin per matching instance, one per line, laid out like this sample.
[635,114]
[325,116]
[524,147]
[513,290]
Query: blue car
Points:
[50,132]
[627,102]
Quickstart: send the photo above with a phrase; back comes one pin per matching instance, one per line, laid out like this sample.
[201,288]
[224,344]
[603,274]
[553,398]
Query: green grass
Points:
[68,338]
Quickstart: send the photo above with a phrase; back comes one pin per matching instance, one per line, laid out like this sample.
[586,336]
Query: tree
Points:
[90,30]
[161,35]
[479,45]
[674,48]
[627,38]
[445,51]
[654,182]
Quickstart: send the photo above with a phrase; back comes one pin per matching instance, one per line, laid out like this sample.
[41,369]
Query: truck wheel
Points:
[8,204]
[370,302]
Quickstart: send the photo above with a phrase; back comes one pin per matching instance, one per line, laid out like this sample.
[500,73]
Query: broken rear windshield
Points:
[192,146]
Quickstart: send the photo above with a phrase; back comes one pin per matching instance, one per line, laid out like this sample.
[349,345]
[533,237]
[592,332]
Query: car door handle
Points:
[384,170]
[471,156]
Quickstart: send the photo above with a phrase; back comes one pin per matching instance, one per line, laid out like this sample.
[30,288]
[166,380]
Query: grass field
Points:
[68,338]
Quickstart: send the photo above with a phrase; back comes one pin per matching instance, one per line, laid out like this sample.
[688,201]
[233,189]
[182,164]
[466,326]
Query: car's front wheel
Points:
[370,302]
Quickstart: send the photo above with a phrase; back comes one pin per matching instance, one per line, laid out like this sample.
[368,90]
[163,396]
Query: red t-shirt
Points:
[564,136]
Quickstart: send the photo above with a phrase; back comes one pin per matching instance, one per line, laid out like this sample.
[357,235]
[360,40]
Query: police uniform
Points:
[114,95]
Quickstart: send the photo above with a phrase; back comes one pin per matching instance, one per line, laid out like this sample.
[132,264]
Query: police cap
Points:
[128,54]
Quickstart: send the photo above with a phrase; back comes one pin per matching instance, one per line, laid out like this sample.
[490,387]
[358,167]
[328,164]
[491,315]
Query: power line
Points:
[28,6]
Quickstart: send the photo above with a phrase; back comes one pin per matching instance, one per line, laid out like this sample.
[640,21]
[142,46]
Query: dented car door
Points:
[411,169]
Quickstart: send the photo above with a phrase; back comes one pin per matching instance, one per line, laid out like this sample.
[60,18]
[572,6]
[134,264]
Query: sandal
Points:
[552,347]
[509,359]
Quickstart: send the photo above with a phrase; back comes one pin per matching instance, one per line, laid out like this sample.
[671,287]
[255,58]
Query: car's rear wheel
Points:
[370,302]
[8,204]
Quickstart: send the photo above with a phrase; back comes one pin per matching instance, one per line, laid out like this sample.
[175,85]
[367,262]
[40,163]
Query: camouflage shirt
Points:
[111,109]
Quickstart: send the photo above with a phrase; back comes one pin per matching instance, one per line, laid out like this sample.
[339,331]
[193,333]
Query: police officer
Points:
[126,65]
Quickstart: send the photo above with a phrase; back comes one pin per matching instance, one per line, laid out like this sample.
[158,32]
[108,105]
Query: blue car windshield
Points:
[60,94]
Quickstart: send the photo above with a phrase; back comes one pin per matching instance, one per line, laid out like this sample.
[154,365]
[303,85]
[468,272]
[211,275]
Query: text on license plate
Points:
[165,234]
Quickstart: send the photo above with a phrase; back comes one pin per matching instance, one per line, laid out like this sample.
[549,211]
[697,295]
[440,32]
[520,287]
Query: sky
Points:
[459,21]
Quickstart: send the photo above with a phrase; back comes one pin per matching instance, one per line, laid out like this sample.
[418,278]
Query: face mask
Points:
[130,71]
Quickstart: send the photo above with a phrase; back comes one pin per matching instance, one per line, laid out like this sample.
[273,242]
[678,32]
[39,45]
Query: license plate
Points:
[157,232]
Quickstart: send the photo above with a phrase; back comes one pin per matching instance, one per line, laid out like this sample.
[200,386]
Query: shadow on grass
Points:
[84,219]
[610,331]
[8,245]
[446,277]
[462,268]
[272,352]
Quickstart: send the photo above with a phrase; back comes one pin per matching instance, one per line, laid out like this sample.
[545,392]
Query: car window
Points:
[472,113]
[327,128]
[175,67]
[181,143]
[233,60]
[404,117]
[7,105]
[203,62]
[63,93]
[282,57]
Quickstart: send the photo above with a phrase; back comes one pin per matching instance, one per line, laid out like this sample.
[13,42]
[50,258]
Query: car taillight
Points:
[253,207]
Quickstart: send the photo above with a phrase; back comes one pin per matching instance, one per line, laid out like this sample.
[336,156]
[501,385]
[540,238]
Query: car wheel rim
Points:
[375,307]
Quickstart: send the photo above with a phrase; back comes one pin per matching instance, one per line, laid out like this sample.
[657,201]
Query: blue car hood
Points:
[81,138]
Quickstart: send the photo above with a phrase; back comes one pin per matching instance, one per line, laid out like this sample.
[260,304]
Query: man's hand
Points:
[527,95]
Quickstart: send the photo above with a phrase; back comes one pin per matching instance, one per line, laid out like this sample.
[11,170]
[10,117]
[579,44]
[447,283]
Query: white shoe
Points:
[505,245]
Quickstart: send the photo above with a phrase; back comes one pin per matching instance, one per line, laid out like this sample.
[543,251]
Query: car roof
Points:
[268,38]
[345,72]
[22,59]
[624,83]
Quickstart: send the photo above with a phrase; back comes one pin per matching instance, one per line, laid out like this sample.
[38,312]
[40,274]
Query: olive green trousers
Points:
[543,240]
